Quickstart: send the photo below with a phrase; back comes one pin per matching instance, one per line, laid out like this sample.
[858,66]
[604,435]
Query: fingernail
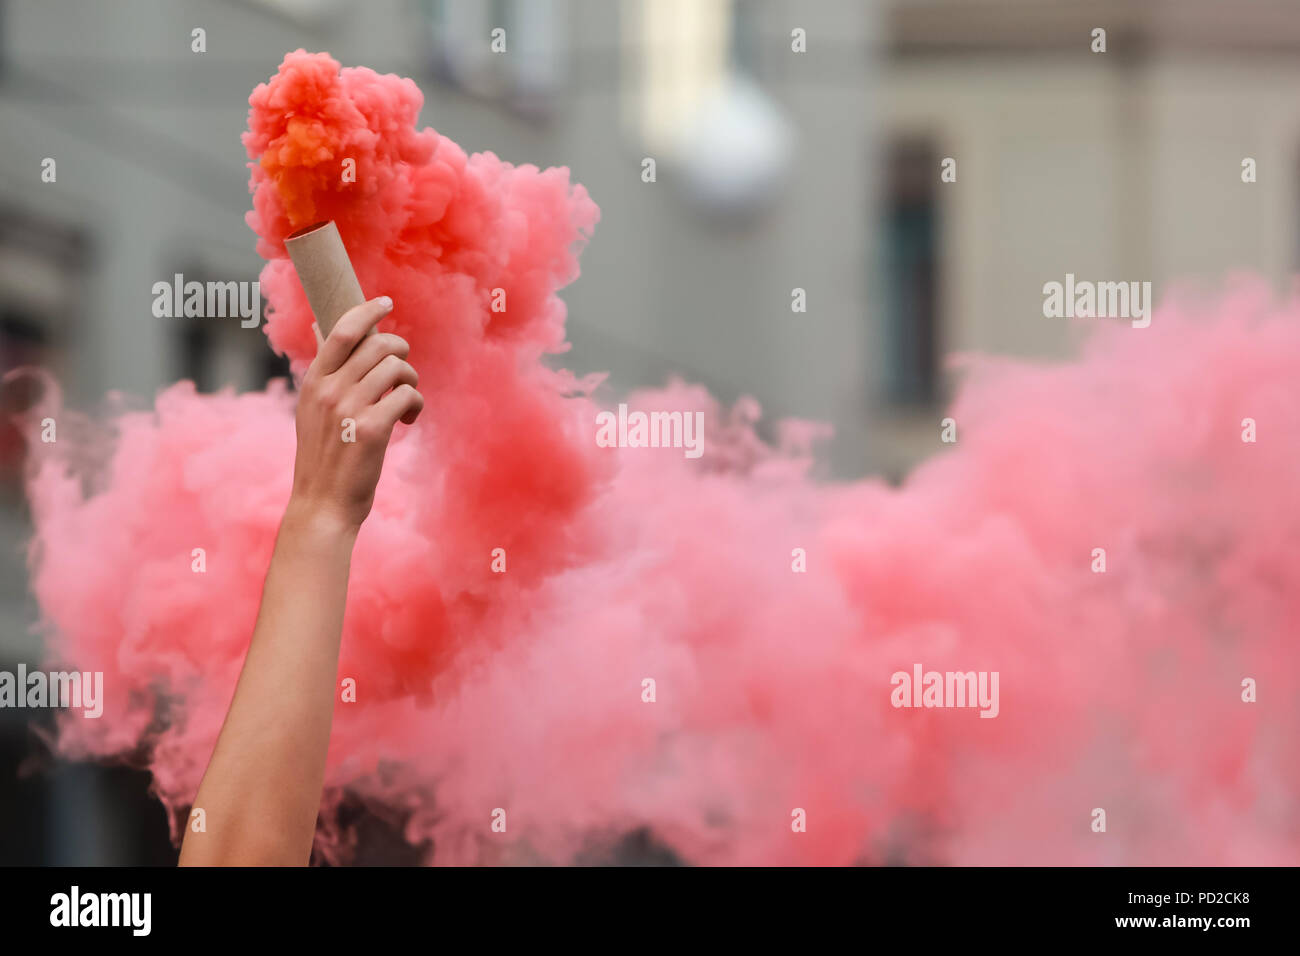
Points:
[385,302]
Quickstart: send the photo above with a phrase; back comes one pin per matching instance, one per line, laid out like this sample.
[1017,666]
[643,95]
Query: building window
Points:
[681,53]
[214,351]
[526,78]
[42,267]
[691,104]
[909,341]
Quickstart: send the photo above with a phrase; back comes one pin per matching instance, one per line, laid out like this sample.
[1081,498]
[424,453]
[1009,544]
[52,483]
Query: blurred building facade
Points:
[777,169]
[1122,165]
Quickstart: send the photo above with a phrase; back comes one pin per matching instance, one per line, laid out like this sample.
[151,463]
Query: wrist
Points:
[321,525]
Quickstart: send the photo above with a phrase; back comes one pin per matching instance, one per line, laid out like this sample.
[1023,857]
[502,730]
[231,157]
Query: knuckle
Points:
[401,372]
[367,431]
[328,394]
[395,344]
[348,328]
[344,341]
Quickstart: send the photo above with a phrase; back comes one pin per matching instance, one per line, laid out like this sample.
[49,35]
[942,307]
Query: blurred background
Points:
[775,171]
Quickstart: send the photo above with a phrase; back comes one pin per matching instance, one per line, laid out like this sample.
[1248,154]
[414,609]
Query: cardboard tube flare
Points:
[325,272]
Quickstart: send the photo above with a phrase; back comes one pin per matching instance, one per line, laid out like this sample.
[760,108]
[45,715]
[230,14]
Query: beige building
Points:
[1122,165]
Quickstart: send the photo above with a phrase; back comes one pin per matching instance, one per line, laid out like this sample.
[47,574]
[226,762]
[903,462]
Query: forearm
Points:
[261,792]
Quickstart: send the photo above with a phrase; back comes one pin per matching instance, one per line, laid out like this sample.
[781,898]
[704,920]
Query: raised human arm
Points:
[261,792]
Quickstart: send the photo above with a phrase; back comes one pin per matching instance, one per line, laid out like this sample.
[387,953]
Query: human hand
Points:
[354,393]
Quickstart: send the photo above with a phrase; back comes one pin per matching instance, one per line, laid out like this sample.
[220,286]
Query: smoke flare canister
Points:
[325,272]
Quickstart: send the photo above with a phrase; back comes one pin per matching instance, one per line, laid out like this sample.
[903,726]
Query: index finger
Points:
[353,325]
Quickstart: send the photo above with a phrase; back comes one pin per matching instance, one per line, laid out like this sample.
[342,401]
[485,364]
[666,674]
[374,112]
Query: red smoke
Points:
[523,690]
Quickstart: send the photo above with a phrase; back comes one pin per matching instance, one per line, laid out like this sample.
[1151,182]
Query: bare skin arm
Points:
[262,788]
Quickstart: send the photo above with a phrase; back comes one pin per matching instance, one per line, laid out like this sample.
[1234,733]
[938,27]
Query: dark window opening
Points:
[910,301]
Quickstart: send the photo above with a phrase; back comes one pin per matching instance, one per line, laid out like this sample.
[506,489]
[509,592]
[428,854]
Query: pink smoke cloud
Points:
[522,690]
